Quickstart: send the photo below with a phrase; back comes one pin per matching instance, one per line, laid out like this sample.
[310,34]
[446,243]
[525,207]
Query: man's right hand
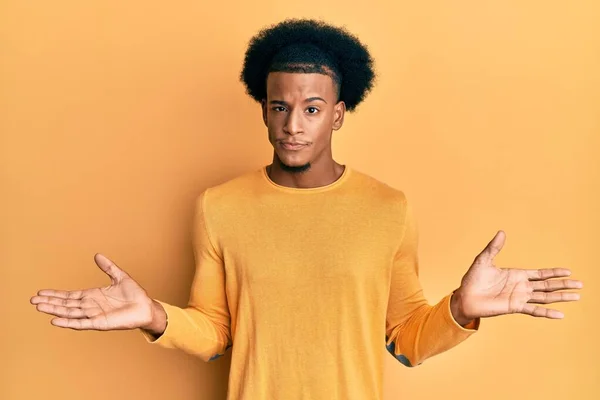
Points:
[122,305]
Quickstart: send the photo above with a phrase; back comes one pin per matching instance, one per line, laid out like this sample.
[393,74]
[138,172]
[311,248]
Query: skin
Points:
[291,112]
[302,108]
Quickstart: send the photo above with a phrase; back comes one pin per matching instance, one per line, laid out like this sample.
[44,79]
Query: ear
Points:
[263,105]
[338,115]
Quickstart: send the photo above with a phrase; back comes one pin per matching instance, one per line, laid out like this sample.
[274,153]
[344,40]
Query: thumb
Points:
[493,247]
[110,268]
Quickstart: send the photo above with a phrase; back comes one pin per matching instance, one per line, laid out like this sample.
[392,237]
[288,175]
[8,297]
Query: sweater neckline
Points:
[338,182]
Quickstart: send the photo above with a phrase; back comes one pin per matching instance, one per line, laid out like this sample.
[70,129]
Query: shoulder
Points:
[378,190]
[234,192]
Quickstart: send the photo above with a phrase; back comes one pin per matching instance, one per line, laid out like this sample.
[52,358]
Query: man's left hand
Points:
[488,291]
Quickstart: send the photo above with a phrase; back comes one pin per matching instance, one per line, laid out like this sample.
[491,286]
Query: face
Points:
[301,112]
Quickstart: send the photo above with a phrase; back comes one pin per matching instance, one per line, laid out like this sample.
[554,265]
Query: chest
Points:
[294,248]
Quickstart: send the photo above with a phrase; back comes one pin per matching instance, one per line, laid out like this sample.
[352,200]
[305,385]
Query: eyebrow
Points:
[307,100]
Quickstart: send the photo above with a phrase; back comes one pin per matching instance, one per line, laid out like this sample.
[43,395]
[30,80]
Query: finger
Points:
[552,285]
[110,268]
[96,323]
[537,311]
[63,294]
[493,247]
[59,311]
[72,323]
[57,301]
[545,298]
[547,273]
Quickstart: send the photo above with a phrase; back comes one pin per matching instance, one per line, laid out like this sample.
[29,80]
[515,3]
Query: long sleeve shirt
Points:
[306,285]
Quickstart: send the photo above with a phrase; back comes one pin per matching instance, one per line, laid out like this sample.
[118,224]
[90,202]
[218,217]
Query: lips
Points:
[292,145]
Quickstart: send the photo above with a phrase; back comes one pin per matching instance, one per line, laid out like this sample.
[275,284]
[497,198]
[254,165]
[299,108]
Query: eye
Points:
[315,109]
[278,108]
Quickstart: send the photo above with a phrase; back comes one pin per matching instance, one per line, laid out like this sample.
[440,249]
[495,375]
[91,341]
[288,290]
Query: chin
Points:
[294,162]
[295,166]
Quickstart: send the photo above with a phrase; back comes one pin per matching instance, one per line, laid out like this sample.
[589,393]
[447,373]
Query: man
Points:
[305,266]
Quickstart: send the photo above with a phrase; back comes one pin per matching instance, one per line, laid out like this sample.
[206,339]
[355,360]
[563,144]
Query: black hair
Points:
[309,46]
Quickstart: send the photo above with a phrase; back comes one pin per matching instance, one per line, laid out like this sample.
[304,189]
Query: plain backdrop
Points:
[116,115]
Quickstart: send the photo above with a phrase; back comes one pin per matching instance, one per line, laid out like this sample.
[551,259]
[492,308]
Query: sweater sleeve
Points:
[416,330]
[203,327]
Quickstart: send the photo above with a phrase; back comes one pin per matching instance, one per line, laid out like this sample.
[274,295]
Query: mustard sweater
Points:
[306,286]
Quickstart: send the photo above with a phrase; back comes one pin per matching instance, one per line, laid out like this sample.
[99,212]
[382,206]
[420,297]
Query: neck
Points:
[319,174]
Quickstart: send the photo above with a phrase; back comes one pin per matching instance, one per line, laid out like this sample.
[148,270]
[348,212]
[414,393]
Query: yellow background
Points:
[117,114]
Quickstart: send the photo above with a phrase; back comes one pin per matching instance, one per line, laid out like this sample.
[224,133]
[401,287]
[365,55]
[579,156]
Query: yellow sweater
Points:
[307,285]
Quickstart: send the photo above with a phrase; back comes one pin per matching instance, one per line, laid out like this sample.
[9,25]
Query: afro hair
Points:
[309,46]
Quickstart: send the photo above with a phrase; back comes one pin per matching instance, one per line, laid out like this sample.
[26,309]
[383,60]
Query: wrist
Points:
[158,324]
[457,308]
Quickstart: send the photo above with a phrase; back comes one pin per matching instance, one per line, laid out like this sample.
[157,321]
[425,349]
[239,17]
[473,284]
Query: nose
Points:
[293,123]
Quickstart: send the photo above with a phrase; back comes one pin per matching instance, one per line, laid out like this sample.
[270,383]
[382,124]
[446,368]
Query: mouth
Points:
[292,146]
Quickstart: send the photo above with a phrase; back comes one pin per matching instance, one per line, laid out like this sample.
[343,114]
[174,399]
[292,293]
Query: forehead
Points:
[291,84]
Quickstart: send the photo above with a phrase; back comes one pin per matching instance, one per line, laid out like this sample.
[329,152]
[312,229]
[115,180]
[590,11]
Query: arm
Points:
[203,327]
[416,330]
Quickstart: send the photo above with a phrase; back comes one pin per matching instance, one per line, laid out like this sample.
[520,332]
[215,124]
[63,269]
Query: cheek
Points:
[271,136]
[322,130]
[274,126]
[274,133]
[324,121]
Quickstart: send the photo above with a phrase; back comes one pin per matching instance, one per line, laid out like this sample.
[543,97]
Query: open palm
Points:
[488,291]
[124,304]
